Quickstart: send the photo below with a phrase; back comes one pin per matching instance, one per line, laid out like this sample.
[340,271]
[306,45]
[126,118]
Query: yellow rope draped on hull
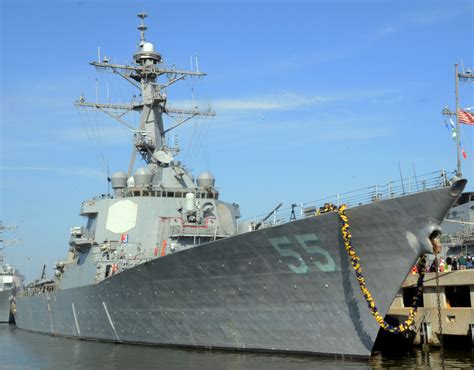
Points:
[355,260]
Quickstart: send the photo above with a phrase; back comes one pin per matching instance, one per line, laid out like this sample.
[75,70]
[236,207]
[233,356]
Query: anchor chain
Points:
[354,258]
[438,301]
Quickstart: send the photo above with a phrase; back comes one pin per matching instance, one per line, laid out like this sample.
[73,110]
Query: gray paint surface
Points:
[241,293]
[186,274]
[5,305]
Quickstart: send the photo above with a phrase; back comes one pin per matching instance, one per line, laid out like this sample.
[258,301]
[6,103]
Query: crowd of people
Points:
[449,263]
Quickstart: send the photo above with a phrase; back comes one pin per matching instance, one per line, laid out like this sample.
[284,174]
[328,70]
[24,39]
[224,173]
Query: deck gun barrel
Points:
[260,223]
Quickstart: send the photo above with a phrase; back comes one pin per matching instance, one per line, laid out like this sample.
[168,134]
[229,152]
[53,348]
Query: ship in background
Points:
[458,227]
[163,260]
[10,278]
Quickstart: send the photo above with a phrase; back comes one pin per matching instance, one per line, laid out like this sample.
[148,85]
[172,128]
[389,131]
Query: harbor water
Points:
[25,350]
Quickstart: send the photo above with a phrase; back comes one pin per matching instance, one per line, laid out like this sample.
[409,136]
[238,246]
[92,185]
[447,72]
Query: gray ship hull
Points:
[285,288]
[5,305]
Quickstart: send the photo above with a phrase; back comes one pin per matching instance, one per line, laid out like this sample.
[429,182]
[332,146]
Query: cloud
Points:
[415,19]
[311,130]
[286,101]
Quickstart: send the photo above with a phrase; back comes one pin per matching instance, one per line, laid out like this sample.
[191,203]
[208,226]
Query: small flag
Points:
[124,238]
[451,122]
[464,154]
[465,117]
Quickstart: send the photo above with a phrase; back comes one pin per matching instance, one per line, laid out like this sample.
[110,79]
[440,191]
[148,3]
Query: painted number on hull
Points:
[309,243]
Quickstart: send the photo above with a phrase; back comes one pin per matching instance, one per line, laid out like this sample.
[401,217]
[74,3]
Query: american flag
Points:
[465,117]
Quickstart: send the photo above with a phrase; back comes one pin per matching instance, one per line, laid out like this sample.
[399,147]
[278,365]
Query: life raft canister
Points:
[163,248]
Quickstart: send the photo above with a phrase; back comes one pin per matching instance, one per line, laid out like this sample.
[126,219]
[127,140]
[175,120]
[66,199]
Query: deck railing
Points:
[374,193]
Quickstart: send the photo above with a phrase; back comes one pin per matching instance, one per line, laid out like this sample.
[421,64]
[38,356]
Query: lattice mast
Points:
[149,139]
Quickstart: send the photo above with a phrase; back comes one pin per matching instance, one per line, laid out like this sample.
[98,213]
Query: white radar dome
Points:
[206,180]
[130,182]
[148,47]
[118,180]
[142,177]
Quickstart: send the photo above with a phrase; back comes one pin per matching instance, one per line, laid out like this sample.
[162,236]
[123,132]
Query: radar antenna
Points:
[144,74]
[142,28]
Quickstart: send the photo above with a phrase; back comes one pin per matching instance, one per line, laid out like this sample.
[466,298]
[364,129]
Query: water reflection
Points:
[416,358]
[24,350]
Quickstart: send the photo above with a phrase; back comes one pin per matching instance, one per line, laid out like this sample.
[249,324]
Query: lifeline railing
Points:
[404,186]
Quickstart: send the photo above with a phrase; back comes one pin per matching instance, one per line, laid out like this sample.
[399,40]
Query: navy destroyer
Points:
[165,261]
[10,279]
[459,227]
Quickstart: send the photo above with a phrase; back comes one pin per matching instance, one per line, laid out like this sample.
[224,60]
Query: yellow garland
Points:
[345,229]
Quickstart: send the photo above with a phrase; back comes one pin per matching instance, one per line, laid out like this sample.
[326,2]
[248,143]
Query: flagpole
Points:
[458,129]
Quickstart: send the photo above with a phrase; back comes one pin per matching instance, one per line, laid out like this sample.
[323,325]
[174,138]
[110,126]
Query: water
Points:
[25,350]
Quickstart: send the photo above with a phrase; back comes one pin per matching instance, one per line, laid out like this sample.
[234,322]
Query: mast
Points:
[149,138]
[4,229]
[458,131]
[6,242]
[463,76]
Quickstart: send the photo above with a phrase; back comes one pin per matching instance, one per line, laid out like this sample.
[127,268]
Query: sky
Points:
[311,98]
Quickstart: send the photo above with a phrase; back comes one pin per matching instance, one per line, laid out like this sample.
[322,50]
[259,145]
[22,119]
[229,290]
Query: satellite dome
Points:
[142,177]
[130,182]
[119,180]
[206,180]
[148,47]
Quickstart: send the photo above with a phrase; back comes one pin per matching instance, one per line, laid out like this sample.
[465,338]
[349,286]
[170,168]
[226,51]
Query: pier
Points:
[456,293]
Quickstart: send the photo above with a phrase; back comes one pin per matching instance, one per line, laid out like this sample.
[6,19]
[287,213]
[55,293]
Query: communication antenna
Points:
[108,178]
[416,179]
[176,141]
[7,242]
[143,74]
[401,176]
[98,54]
[142,28]
[197,62]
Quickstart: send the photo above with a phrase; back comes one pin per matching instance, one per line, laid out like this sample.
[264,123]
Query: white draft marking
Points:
[110,320]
